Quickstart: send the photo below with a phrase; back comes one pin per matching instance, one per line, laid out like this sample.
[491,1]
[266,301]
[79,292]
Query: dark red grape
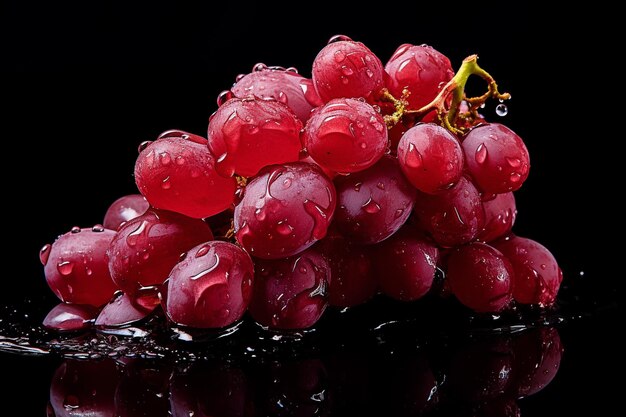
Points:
[211,287]
[70,317]
[284,210]
[290,293]
[345,135]
[247,134]
[287,87]
[430,157]
[347,69]
[421,69]
[179,175]
[537,275]
[496,158]
[353,277]
[452,217]
[500,214]
[124,209]
[146,248]
[76,266]
[373,204]
[405,265]
[121,311]
[480,277]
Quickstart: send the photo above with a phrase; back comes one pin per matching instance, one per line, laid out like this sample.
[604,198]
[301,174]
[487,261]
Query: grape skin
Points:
[124,209]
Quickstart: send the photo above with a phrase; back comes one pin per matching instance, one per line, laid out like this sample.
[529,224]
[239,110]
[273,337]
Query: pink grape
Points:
[345,135]
[287,87]
[373,204]
[537,275]
[500,214]
[122,310]
[76,266]
[248,134]
[431,158]
[146,248]
[211,287]
[284,210]
[496,158]
[179,175]
[347,69]
[480,277]
[420,69]
[291,293]
[452,217]
[124,209]
[70,317]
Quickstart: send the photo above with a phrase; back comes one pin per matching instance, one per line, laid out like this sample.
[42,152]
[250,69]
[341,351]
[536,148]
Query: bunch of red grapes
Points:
[365,179]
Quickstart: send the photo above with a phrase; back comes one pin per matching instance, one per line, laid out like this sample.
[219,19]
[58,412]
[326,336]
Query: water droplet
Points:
[284,228]
[259,67]
[180,160]
[253,129]
[143,145]
[44,254]
[239,77]
[380,185]
[357,186]
[211,268]
[482,106]
[165,159]
[292,69]
[320,218]
[71,402]
[88,271]
[514,162]
[398,213]
[286,183]
[282,97]
[346,70]
[371,207]
[131,239]
[413,158]
[338,38]
[363,145]
[369,73]
[202,251]
[260,214]
[339,56]
[515,177]
[65,268]
[223,97]
[376,124]
[344,80]
[75,229]
[166,184]
[98,228]
[502,110]
[481,153]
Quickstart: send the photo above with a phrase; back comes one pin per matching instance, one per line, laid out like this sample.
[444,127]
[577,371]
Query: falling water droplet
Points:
[502,110]
[44,254]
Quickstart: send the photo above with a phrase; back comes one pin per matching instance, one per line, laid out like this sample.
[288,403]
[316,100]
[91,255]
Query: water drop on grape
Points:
[413,158]
[44,254]
[223,97]
[481,153]
[65,268]
[71,402]
[166,184]
[371,207]
[338,38]
[284,228]
[98,228]
[75,229]
[143,145]
[202,251]
[515,177]
[165,159]
[339,56]
[502,110]
[346,70]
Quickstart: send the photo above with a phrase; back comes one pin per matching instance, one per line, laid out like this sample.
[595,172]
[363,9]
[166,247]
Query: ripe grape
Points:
[124,209]
[284,210]
[122,310]
[345,135]
[289,88]
[347,69]
[373,204]
[430,157]
[500,214]
[405,265]
[76,268]
[496,158]
[290,293]
[537,275]
[452,217]
[211,287]
[353,277]
[420,69]
[70,317]
[248,134]
[146,248]
[480,277]
[179,175]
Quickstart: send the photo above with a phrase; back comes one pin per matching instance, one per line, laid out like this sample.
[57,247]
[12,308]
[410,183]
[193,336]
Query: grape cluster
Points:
[305,193]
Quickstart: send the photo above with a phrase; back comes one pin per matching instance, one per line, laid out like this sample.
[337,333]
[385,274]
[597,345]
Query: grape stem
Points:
[455,88]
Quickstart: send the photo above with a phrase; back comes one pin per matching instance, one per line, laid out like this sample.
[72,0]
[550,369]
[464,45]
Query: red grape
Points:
[496,158]
[480,277]
[247,134]
[500,214]
[452,217]
[353,277]
[284,210]
[373,204]
[70,317]
[290,88]
[347,69]
[76,268]
[537,275]
[345,135]
[421,69]
[121,311]
[211,287]
[179,175]
[290,293]
[405,265]
[124,209]
[146,248]
[430,157]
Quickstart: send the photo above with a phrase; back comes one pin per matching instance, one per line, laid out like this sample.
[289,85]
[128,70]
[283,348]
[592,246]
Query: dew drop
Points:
[132,238]
[65,268]
[346,70]
[481,153]
[502,110]
[338,38]
[260,214]
[369,73]
[339,56]
[284,228]
[413,158]
[98,228]
[514,162]
[202,251]
[143,145]
[239,77]
[75,229]
[44,254]
[371,207]
[286,183]
[180,160]
[165,159]
[320,218]
[357,186]
[259,67]
[166,184]
[515,177]
[223,97]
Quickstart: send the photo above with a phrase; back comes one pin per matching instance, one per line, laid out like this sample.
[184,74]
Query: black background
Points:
[83,84]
